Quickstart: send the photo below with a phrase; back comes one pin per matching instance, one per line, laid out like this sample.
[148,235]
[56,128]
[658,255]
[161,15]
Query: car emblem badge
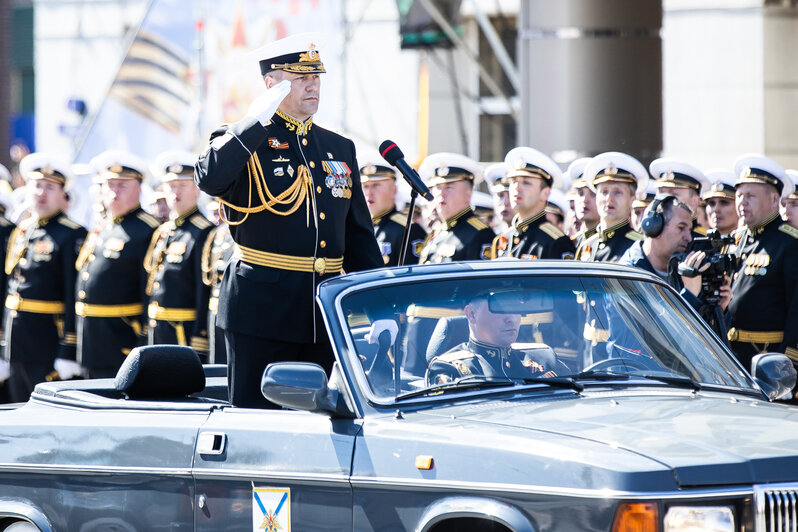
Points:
[271,509]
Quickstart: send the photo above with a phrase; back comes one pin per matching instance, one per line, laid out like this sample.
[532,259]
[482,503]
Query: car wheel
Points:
[21,526]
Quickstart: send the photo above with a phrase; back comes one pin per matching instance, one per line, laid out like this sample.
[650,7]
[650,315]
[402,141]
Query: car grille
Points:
[776,508]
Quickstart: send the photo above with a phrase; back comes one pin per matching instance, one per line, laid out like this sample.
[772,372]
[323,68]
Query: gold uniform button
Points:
[156,285]
[322,244]
[92,257]
[322,215]
[312,164]
[85,276]
[82,294]
[318,189]
[304,142]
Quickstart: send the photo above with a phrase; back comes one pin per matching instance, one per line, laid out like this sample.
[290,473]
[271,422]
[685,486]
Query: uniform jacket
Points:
[318,172]
[40,263]
[178,306]
[608,245]
[216,253]
[6,228]
[533,238]
[765,288]
[389,228]
[111,276]
[464,237]
[583,235]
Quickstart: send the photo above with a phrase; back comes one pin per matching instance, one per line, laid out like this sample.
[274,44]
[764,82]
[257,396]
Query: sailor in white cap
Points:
[532,175]
[585,205]
[789,205]
[719,198]
[764,305]
[40,305]
[111,304]
[292,194]
[379,188]
[682,180]
[557,208]
[499,189]
[616,178]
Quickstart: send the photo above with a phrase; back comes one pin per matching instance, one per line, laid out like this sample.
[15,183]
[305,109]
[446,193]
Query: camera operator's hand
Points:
[692,261]
[725,293]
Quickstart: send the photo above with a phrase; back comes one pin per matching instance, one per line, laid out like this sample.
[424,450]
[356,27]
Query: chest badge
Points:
[276,144]
[115,244]
[280,159]
[278,172]
[329,155]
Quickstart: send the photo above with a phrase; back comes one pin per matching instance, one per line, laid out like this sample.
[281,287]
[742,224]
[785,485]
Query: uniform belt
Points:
[35,306]
[90,310]
[757,337]
[594,334]
[319,265]
[213,304]
[157,312]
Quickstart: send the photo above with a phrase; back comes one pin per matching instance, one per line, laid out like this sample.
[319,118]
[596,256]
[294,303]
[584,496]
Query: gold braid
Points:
[14,253]
[207,258]
[155,253]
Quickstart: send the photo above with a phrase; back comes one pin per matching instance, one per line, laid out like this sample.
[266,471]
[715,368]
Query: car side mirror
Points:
[774,373]
[302,386]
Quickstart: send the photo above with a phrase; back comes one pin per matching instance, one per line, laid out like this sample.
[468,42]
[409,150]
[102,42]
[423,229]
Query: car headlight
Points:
[695,518]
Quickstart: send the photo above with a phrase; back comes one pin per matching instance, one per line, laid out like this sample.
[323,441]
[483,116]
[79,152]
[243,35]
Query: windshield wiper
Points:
[602,376]
[556,382]
[676,380]
[471,381]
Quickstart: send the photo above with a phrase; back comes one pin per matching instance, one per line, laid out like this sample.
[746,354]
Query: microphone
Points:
[394,156]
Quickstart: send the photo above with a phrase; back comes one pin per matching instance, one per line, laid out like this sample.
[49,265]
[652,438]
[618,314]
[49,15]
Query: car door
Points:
[273,470]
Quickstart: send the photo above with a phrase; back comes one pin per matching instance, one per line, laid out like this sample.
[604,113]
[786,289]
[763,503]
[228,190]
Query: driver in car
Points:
[490,350]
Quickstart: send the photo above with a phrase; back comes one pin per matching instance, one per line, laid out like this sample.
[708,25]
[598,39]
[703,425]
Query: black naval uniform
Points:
[608,245]
[465,237]
[216,253]
[111,301]
[309,175]
[40,315]
[389,228]
[764,304]
[583,236]
[698,230]
[480,358]
[178,308]
[533,238]
[6,227]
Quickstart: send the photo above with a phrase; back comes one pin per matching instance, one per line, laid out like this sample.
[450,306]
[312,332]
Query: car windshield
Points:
[429,337]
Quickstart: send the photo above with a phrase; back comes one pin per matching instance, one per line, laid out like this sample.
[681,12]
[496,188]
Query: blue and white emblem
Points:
[271,509]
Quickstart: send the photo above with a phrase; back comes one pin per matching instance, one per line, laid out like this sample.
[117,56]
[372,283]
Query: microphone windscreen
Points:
[391,152]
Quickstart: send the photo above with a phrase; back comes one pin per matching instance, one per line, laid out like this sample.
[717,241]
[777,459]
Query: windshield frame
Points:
[356,378]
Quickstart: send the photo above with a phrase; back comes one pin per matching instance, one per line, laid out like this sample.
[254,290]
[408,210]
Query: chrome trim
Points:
[51,469]
[459,485]
[776,507]
[254,474]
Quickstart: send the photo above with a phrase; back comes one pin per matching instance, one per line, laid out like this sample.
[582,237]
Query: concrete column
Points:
[591,75]
[780,82]
[5,80]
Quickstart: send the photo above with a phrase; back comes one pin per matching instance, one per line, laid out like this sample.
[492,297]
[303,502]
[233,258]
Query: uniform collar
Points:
[489,351]
[118,219]
[451,222]
[522,225]
[292,124]
[378,218]
[606,234]
[183,217]
[41,222]
[758,229]
[587,233]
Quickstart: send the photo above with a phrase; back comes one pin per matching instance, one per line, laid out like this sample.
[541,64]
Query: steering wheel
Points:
[618,362]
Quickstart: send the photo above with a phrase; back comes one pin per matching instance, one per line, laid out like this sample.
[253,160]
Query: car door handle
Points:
[211,442]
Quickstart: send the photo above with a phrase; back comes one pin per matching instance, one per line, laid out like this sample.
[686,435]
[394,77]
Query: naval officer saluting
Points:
[291,193]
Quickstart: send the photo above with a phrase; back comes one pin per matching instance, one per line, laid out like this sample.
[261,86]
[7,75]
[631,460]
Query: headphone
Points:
[653,222]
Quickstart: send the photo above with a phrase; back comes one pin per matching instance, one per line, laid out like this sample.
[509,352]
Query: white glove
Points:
[67,369]
[378,327]
[5,370]
[264,106]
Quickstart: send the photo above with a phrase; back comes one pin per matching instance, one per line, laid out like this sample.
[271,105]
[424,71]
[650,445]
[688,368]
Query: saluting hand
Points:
[263,107]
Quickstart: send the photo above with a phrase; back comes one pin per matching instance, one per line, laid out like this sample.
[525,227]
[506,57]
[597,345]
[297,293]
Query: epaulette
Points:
[148,219]
[790,230]
[476,223]
[700,229]
[552,230]
[455,355]
[72,224]
[634,235]
[399,218]
[199,221]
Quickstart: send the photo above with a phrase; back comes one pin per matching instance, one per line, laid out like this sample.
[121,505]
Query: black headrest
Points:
[448,333]
[161,371]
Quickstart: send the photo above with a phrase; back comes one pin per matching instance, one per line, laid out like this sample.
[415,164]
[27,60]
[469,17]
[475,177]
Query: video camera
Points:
[720,263]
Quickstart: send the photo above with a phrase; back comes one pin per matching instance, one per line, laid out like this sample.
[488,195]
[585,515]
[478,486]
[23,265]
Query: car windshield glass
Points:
[411,337]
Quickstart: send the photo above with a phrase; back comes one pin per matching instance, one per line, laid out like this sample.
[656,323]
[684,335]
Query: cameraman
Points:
[667,225]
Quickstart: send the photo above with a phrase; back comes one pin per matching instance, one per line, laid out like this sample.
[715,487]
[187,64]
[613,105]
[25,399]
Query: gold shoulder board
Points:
[475,222]
[200,221]
[72,224]
[790,230]
[634,235]
[399,218]
[552,230]
[700,229]
[148,219]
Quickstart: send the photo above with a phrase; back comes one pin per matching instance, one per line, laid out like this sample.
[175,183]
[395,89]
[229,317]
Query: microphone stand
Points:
[406,235]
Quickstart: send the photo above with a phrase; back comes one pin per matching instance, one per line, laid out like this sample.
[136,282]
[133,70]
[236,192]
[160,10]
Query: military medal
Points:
[276,144]
[280,159]
[290,170]
[278,172]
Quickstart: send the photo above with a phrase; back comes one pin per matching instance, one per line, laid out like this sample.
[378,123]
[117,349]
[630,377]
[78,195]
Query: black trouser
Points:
[24,377]
[248,356]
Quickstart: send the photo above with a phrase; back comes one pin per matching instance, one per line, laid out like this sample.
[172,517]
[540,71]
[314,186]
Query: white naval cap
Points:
[557,202]
[40,165]
[618,167]
[529,162]
[117,164]
[373,167]
[794,177]
[642,199]
[494,177]
[720,184]
[444,167]
[174,164]
[481,200]
[754,168]
[673,173]
[4,173]
[297,53]
[576,171]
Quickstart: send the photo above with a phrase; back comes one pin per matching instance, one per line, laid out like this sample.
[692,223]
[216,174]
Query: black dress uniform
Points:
[216,253]
[40,303]
[111,300]
[583,236]
[389,229]
[6,227]
[533,238]
[609,245]
[764,304]
[178,308]
[463,237]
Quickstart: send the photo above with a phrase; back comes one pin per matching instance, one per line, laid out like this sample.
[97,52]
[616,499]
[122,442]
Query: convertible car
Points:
[505,396]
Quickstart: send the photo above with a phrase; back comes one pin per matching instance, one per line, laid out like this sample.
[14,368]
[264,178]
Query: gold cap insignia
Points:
[611,169]
[520,163]
[369,169]
[745,171]
[175,168]
[310,55]
[668,175]
[115,168]
[442,171]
